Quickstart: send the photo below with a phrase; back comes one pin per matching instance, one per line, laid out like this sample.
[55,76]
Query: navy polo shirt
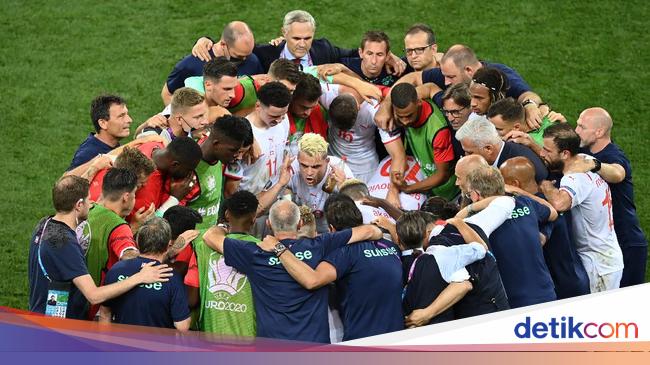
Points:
[425,286]
[154,305]
[193,66]
[626,222]
[518,251]
[517,84]
[283,308]
[562,260]
[63,261]
[384,78]
[369,283]
[88,150]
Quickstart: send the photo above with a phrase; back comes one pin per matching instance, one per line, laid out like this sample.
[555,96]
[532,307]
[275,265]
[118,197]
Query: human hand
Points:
[417,318]
[157,121]
[533,116]
[276,42]
[268,243]
[150,274]
[202,48]
[368,91]
[181,187]
[556,117]
[328,69]
[519,137]
[394,65]
[392,196]
[142,215]
[286,173]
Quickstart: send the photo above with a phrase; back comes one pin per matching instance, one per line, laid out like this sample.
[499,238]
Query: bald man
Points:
[594,127]
[236,44]
[283,308]
[562,260]
[463,167]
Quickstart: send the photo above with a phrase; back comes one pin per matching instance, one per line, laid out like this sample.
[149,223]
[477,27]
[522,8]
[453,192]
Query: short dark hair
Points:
[117,182]
[67,191]
[154,236]
[181,219]
[241,204]
[459,94]
[375,36]
[283,69]
[403,95]
[421,27]
[186,151]
[307,89]
[564,137]
[341,212]
[100,108]
[233,128]
[440,208]
[218,67]
[274,94]
[134,160]
[494,80]
[411,228]
[509,109]
[343,111]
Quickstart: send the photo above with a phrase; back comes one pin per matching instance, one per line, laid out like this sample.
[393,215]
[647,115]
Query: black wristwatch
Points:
[597,165]
[279,249]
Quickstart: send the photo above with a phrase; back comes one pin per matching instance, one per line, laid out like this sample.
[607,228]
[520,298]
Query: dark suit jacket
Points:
[512,149]
[321,52]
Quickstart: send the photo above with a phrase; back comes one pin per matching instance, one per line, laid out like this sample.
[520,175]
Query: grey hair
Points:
[487,181]
[298,16]
[284,216]
[480,131]
[154,236]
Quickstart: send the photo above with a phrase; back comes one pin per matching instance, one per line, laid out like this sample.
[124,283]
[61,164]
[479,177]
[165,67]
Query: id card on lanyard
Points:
[58,292]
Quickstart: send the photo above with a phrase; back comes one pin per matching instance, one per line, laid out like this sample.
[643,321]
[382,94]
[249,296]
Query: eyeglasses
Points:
[454,112]
[417,50]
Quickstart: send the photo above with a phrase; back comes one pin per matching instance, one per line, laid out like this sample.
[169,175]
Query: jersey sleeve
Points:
[239,254]
[69,261]
[121,240]
[459,276]
[336,240]
[453,258]
[434,75]
[192,276]
[234,171]
[490,218]
[313,70]
[576,186]
[341,259]
[148,194]
[389,136]
[180,309]
[330,92]
[517,84]
[443,150]
[543,212]
[196,83]
[246,86]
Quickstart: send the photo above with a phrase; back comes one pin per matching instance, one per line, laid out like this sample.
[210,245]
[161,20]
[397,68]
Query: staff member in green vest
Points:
[429,138]
[106,236]
[226,305]
[230,138]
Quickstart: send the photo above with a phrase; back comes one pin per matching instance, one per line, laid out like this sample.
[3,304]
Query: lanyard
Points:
[40,262]
[410,276]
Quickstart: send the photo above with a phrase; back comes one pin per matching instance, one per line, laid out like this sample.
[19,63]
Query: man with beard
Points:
[589,198]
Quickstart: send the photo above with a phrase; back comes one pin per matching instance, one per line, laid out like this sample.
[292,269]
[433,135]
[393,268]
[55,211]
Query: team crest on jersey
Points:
[223,280]
[212,182]
[83,235]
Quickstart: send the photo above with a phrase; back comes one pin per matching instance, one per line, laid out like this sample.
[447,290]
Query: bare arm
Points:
[165,95]
[428,90]
[95,295]
[468,234]
[448,297]
[612,173]
[214,238]
[309,278]
[560,200]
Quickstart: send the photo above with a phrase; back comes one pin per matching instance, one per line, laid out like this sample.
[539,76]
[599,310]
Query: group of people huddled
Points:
[298,190]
